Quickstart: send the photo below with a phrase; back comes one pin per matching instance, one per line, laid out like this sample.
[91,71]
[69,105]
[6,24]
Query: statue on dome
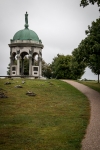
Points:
[26,18]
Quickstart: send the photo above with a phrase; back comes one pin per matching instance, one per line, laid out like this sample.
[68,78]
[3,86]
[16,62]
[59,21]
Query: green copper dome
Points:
[26,34]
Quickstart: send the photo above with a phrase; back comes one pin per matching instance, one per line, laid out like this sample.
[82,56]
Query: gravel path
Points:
[92,137]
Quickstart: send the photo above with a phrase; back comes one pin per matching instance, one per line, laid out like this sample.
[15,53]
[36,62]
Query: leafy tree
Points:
[94,64]
[82,52]
[93,34]
[84,3]
[78,64]
[46,69]
[61,66]
[26,66]
[67,67]
[88,50]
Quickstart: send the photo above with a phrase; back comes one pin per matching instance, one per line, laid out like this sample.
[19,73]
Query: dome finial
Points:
[26,20]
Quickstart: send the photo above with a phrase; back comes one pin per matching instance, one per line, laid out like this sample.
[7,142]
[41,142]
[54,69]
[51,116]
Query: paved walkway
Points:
[92,137]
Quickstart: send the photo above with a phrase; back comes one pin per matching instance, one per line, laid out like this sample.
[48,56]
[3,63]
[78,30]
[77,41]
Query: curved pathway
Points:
[92,137]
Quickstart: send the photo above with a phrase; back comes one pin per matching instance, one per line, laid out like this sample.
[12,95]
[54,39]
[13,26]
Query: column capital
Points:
[18,57]
[40,58]
[10,57]
[30,56]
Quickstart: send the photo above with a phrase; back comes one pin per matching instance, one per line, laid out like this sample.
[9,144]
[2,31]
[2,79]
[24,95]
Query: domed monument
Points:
[25,43]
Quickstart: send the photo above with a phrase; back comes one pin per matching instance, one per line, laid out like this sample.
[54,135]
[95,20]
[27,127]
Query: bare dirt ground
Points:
[91,140]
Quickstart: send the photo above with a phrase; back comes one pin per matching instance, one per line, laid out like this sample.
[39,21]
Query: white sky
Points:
[60,24]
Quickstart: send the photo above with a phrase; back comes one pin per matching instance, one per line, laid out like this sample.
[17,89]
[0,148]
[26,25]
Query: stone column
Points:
[22,66]
[11,65]
[32,61]
[30,64]
[18,65]
[10,61]
[40,66]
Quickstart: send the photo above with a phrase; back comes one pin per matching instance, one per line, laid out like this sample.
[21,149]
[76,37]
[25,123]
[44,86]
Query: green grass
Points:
[55,119]
[92,84]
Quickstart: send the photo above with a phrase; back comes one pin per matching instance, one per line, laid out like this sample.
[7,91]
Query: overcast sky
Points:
[60,24]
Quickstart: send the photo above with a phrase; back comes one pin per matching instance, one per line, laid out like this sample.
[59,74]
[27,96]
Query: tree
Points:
[67,67]
[93,34]
[88,54]
[61,66]
[78,63]
[84,3]
[26,66]
[88,50]
[94,64]
[82,52]
[46,70]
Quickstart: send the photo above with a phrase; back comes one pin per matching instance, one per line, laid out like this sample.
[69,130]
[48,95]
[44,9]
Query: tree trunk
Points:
[98,77]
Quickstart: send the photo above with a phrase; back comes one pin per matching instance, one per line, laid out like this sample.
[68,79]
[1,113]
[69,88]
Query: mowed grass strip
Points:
[55,119]
[92,84]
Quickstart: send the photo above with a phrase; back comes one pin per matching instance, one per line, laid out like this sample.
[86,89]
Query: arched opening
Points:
[35,64]
[14,58]
[35,59]
[24,64]
[13,64]
[26,61]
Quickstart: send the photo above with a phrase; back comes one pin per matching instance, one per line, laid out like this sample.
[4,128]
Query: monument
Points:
[25,43]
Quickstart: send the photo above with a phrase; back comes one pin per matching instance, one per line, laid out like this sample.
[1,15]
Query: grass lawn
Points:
[92,84]
[55,119]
